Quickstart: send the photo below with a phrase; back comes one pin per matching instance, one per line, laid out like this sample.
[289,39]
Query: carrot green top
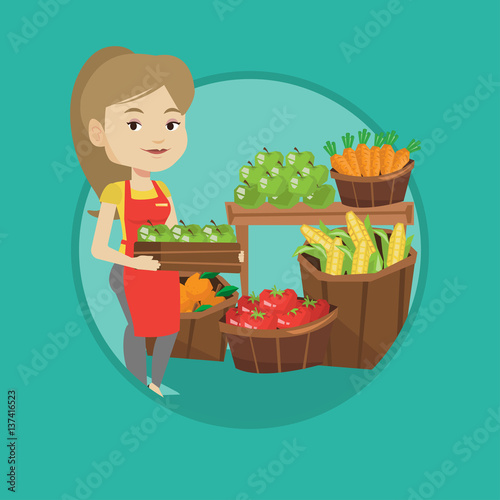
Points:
[330,148]
[413,146]
[391,138]
[364,136]
[379,140]
[348,140]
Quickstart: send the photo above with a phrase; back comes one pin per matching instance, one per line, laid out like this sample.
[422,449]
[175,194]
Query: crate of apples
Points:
[190,247]
[277,331]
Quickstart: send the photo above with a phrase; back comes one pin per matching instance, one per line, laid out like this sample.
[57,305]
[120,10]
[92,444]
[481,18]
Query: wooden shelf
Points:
[334,215]
[268,215]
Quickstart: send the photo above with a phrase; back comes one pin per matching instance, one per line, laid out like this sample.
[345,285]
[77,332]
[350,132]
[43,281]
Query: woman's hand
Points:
[145,263]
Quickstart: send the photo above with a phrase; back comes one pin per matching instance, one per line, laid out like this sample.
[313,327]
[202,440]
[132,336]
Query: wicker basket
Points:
[373,191]
[281,350]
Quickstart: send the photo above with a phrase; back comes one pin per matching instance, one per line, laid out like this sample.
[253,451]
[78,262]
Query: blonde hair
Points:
[112,75]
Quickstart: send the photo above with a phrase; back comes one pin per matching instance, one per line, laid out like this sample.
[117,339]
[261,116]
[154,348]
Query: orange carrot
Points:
[350,155]
[402,157]
[363,152]
[387,153]
[339,163]
[375,154]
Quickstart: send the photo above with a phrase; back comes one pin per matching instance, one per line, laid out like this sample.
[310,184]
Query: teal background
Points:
[406,423]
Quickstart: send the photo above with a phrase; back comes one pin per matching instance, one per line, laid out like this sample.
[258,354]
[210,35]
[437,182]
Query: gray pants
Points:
[135,347]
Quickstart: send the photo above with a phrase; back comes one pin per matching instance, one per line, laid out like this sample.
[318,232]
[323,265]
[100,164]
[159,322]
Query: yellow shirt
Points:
[115,194]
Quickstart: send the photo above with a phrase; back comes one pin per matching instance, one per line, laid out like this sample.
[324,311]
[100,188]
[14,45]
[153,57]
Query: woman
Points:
[128,120]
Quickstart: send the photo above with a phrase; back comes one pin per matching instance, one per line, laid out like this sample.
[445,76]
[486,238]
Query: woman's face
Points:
[147,133]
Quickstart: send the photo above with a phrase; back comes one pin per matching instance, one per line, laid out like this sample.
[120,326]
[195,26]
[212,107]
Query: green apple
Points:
[165,233]
[222,238]
[210,229]
[285,200]
[248,196]
[143,233]
[319,172]
[251,174]
[178,231]
[269,159]
[286,171]
[272,185]
[220,234]
[323,197]
[299,160]
[157,233]
[302,185]
[193,238]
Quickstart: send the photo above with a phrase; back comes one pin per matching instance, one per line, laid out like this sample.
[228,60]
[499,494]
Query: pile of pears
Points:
[283,184]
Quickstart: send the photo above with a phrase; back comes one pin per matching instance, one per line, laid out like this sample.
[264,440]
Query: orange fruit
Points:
[187,303]
[212,300]
[196,288]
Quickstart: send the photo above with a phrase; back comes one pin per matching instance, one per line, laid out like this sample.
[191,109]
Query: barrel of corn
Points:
[372,306]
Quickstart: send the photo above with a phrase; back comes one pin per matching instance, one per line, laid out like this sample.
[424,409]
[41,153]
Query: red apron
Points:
[153,297]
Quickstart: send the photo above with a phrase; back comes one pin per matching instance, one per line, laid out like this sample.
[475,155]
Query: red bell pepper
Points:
[277,300]
[259,320]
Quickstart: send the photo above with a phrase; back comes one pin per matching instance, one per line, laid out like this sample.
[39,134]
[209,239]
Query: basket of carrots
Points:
[371,176]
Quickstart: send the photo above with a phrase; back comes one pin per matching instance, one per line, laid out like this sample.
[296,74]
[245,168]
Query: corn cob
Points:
[313,235]
[335,259]
[357,231]
[397,243]
[361,258]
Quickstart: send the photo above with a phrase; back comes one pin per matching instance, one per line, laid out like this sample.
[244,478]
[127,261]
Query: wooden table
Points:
[334,215]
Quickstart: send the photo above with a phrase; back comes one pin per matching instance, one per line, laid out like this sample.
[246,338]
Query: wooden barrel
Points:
[372,309]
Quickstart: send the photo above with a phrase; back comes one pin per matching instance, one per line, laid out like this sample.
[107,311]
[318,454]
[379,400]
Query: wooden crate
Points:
[193,257]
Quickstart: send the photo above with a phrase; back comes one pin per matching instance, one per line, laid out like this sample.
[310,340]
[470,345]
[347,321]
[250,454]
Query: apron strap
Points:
[159,192]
